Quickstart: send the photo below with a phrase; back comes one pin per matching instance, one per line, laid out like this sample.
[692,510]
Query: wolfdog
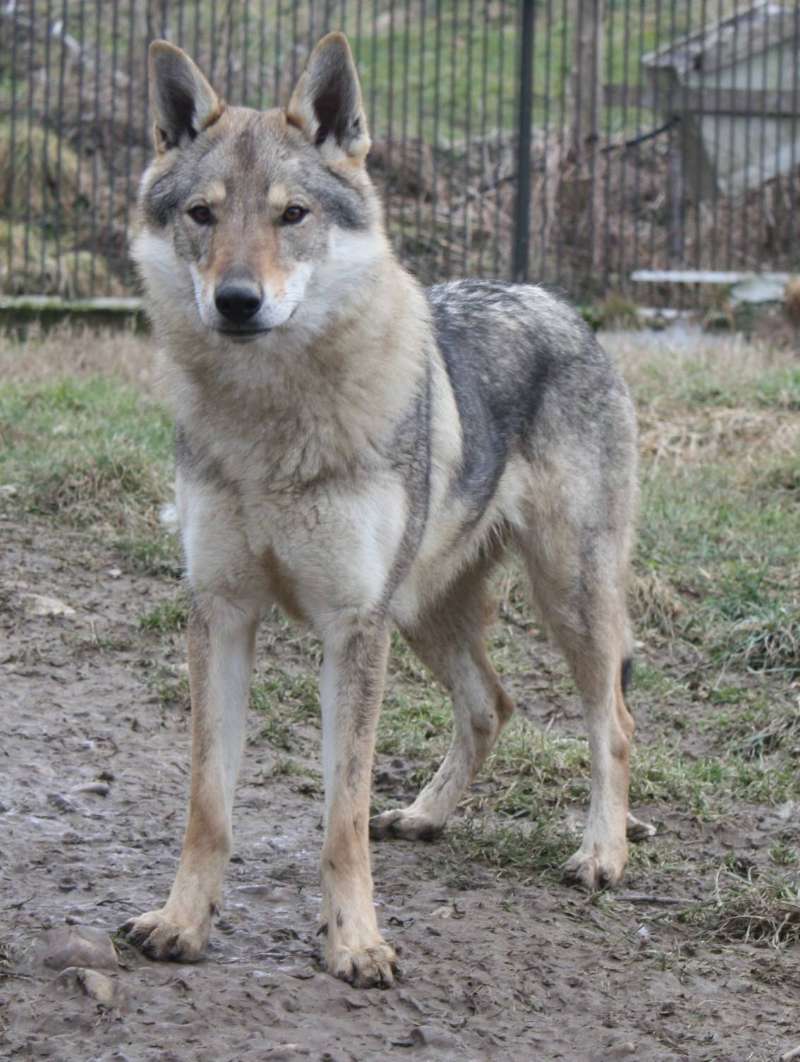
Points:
[362,452]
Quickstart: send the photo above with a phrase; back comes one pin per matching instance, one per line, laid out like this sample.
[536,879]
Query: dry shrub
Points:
[33,177]
[655,603]
[69,275]
[757,909]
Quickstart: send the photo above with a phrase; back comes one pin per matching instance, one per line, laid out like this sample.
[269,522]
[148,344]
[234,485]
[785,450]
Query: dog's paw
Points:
[596,867]
[403,824]
[366,967]
[157,937]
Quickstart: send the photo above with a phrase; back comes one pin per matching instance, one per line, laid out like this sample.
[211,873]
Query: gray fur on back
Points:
[528,375]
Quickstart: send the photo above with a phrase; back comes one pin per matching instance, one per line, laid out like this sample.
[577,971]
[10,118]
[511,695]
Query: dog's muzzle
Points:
[238,300]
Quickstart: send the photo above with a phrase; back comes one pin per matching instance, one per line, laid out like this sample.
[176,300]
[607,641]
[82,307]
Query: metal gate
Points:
[570,141]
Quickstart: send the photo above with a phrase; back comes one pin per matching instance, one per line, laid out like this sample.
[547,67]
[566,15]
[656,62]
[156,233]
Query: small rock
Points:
[621,1050]
[92,983]
[77,946]
[41,605]
[60,803]
[114,573]
[430,1036]
[98,788]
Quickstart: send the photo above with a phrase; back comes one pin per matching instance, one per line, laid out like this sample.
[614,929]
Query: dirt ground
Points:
[491,969]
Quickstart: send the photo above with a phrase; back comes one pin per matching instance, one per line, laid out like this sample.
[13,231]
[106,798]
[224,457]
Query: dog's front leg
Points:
[351,689]
[221,639]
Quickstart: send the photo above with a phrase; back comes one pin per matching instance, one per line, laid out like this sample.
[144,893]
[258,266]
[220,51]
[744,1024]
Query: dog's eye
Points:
[293,214]
[201,215]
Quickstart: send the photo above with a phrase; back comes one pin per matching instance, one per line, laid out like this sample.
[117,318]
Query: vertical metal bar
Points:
[621,234]
[45,126]
[212,65]
[762,144]
[29,173]
[712,243]
[197,21]
[277,92]
[673,165]
[404,125]
[245,100]
[467,139]
[562,134]
[295,34]
[741,256]
[544,228]
[261,73]
[696,190]
[522,204]
[112,153]
[501,87]
[95,143]
[484,157]
[634,264]
[373,66]
[60,121]
[79,138]
[360,29]
[454,47]
[597,17]
[420,124]
[437,81]
[229,32]
[390,124]
[778,179]
[657,94]
[128,124]
[793,189]
[608,157]
[12,212]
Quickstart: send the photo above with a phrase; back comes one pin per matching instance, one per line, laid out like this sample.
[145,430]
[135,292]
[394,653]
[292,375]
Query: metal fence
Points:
[577,142]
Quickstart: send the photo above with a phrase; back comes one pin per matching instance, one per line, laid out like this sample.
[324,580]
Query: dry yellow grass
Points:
[697,396]
[79,352]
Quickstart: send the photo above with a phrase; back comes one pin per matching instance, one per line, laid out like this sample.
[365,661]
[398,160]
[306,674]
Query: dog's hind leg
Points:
[577,571]
[450,642]
[221,638]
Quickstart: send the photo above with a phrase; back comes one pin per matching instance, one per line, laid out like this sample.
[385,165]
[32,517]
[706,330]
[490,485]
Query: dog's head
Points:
[267,217]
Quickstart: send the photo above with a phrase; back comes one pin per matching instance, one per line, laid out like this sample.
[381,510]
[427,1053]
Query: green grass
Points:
[92,454]
[166,616]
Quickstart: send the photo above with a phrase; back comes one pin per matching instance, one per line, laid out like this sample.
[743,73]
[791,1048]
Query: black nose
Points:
[238,300]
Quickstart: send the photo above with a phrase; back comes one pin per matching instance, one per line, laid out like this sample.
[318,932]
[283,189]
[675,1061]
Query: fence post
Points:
[522,204]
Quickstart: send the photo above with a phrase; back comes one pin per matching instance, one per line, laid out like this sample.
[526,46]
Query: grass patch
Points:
[91,453]
[286,701]
[527,849]
[757,907]
[166,617]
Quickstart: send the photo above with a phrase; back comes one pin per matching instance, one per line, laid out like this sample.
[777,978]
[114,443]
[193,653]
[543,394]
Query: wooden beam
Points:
[756,103]
[702,276]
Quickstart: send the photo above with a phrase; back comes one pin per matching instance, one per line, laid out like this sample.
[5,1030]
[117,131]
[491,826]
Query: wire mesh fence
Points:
[577,142]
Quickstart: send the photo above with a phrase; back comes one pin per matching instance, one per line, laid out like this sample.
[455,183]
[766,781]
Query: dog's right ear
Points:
[183,101]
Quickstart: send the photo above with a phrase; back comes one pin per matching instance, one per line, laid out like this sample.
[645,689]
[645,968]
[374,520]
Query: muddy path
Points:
[491,968]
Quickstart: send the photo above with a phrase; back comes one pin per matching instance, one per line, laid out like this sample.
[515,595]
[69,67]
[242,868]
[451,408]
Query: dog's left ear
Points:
[326,104]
